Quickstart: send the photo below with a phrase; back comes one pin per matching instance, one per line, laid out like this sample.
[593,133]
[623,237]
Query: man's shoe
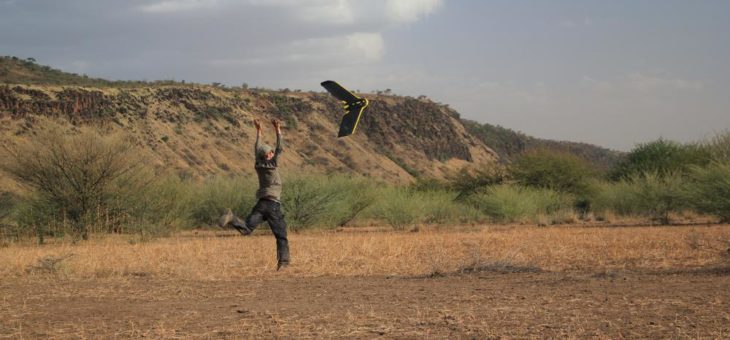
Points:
[281,265]
[240,225]
[225,219]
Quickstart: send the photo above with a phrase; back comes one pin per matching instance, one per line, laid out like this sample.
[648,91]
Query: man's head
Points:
[265,152]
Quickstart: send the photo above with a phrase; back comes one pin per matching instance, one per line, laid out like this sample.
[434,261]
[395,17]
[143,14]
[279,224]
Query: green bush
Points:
[396,206]
[620,197]
[649,194]
[709,191]
[442,207]
[214,195]
[658,195]
[555,170]
[660,157]
[310,200]
[351,197]
[513,203]
[469,180]
[718,147]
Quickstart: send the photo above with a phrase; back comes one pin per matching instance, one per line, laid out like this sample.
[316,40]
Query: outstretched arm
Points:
[277,127]
[258,135]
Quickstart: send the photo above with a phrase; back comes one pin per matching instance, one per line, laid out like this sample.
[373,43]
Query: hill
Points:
[510,144]
[200,130]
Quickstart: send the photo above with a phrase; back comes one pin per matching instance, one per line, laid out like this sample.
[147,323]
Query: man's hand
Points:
[257,124]
[277,125]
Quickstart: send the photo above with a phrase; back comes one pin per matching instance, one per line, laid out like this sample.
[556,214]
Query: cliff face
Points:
[204,130]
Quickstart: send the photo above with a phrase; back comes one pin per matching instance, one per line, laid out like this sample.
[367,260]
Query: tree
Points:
[76,175]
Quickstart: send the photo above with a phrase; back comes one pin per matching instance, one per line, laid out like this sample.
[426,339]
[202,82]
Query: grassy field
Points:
[476,281]
[210,255]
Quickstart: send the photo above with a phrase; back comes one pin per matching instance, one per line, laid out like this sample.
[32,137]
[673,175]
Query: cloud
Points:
[409,11]
[642,83]
[179,6]
[355,48]
[570,24]
[648,83]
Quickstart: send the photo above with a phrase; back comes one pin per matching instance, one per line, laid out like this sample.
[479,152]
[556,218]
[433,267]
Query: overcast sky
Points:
[612,73]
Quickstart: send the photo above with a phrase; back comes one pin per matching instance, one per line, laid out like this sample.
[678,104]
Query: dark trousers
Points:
[270,211]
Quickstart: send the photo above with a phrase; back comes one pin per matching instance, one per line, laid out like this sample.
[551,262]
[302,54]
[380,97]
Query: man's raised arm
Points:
[258,136]
[277,127]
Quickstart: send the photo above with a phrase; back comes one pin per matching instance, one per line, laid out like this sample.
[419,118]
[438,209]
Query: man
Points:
[268,207]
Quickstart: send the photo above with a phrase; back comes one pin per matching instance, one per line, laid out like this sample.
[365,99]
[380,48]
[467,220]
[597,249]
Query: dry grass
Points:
[216,256]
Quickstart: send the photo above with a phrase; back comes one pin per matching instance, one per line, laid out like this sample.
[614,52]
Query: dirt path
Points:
[482,304]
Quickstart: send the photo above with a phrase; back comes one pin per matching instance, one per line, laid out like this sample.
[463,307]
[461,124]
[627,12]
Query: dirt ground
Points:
[483,303]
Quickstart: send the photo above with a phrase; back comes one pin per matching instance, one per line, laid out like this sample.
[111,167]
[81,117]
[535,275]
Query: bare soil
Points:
[488,302]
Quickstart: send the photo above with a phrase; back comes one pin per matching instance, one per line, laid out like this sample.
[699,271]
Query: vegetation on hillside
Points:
[510,145]
[86,179]
[90,182]
[14,70]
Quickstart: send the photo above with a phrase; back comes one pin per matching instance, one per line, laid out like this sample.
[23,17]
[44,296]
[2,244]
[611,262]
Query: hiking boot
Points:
[281,265]
[240,225]
[225,219]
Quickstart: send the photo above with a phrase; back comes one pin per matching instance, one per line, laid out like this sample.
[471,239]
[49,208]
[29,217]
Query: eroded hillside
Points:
[205,130]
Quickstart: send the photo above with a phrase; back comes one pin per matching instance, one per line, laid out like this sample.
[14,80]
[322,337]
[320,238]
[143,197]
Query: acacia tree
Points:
[75,175]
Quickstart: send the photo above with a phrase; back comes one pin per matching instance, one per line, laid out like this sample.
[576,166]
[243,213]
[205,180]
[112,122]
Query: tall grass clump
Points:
[514,203]
[709,191]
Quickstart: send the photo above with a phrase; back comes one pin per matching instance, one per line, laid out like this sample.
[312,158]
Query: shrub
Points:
[77,176]
[513,203]
[214,195]
[658,195]
[718,147]
[397,207]
[710,190]
[620,197]
[441,207]
[660,157]
[555,170]
[469,180]
[352,196]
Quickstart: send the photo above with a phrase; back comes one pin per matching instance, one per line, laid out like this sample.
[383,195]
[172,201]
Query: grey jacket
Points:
[269,179]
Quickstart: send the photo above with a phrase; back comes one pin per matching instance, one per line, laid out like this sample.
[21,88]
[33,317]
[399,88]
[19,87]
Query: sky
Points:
[612,73]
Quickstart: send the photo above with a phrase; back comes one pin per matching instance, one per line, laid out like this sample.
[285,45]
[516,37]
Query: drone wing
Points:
[339,92]
[353,105]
